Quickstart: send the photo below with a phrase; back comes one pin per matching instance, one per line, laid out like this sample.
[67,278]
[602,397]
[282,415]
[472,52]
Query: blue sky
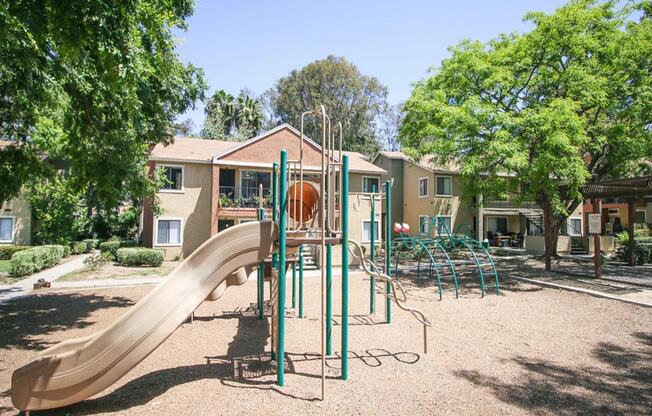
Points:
[254,43]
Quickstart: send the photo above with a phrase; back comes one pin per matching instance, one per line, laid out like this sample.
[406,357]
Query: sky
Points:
[251,44]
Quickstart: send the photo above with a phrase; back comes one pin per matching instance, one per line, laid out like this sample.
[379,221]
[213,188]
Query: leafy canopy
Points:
[232,118]
[570,99]
[355,99]
[100,80]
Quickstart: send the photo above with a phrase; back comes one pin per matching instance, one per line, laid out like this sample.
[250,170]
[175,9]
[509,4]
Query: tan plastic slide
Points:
[77,369]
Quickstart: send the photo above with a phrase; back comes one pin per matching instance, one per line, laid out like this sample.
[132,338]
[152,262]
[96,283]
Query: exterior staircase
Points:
[534,217]
[576,247]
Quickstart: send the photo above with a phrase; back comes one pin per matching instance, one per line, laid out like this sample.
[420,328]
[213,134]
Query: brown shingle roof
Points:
[191,150]
[360,163]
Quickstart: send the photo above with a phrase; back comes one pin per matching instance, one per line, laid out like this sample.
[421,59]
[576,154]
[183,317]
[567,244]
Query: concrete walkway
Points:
[25,286]
[100,283]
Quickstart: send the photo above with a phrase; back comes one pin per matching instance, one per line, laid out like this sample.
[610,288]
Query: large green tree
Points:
[232,118]
[551,108]
[100,80]
[350,97]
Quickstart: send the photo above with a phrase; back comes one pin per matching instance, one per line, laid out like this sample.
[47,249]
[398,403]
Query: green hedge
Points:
[34,259]
[642,253]
[7,251]
[112,246]
[140,256]
[91,243]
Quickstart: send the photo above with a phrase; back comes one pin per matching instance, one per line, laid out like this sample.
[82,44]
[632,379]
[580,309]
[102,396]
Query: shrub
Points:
[34,259]
[91,244]
[112,246]
[140,256]
[78,247]
[95,262]
[7,251]
[67,250]
[642,253]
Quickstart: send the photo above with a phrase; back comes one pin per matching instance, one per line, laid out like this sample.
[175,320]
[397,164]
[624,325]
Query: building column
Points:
[215,191]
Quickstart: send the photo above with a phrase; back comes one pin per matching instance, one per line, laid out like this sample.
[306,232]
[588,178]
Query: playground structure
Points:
[304,211]
[446,253]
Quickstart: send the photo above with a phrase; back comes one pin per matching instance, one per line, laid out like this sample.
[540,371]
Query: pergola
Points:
[629,189]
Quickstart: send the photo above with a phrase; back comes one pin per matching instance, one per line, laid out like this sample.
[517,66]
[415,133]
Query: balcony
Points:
[509,204]
[243,197]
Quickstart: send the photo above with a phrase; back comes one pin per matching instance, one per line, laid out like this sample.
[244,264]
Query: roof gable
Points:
[266,148]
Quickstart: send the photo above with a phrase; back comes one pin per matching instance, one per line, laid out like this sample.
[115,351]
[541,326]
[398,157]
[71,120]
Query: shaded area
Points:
[620,385]
[24,321]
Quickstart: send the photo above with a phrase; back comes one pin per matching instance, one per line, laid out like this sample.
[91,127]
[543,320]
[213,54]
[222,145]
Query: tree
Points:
[350,97]
[389,126]
[105,75]
[231,118]
[569,100]
[183,128]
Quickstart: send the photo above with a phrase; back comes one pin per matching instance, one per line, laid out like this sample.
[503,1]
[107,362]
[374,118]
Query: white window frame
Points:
[183,179]
[13,228]
[181,227]
[569,228]
[451,221]
[419,187]
[426,217]
[613,212]
[370,177]
[437,194]
[376,236]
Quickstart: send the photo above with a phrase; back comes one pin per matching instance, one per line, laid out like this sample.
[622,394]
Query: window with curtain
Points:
[444,186]
[370,185]
[169,232]
[444,225]
[6,229]
[366,231]
[423,187]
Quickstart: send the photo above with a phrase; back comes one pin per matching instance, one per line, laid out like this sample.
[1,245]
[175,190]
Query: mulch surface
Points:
[529,350]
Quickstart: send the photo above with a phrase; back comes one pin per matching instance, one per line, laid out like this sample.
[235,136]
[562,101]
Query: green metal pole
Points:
[282,223]
[294,284]
[388,247]
[261,275]
[329,298]
[345,266]
[372,285]
[301,315]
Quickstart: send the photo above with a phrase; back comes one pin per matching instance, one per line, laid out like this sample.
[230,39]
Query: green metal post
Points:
[329,298]
[294,284]
[388,247]
[345,266]
[301,282]
[261,275]
[372,242]
[282,223]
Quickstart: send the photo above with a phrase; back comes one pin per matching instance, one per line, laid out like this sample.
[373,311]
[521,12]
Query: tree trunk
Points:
[547,241]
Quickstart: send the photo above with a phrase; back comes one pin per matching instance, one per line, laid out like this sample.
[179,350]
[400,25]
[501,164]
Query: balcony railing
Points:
[243,197]
[511,204]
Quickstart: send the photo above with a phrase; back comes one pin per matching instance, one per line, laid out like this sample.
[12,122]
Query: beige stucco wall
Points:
[458,208]
[607,243]
[22,213]
[536,244]
[355,181]
[192,206]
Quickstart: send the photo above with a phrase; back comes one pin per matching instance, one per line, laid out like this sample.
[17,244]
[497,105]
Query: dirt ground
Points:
[115,271]
[529,350]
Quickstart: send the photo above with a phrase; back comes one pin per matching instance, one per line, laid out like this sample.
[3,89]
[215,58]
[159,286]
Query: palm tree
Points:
[249,116]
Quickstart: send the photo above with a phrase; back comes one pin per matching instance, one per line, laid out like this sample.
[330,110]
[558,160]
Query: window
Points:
[7,229]
[640,217]
[250,180]
[423,187]
[366,231]
[168,232]
[497,225]
[613,211]
[370,184]
[444,225]
[173,178]
[444,186]
[423,223]
[575,226]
